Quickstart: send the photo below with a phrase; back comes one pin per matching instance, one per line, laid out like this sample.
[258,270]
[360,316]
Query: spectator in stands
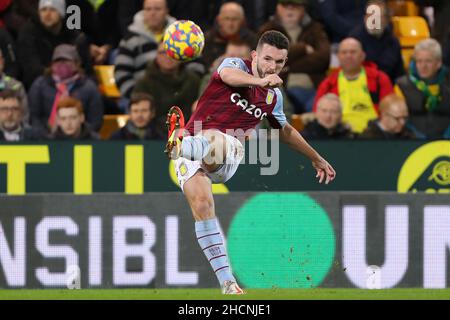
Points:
[340,17]
[171,84]
[9,83]
[64,78]
[359,85]
[380,44]
[140,46]
[141,125]
[328,123]
[230,25]
[71,123]
[426,89]
[8,52]
[12,124]
[18,15]
[309,52]
[100,25]
[39,37]
[392,122]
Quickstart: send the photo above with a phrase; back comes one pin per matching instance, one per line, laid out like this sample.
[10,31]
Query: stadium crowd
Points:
[343,79]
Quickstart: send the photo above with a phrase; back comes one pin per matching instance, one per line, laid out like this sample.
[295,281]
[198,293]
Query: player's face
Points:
[141,114]
[10,114]
[269,60]
[70,121]
[427,64]
[329,114]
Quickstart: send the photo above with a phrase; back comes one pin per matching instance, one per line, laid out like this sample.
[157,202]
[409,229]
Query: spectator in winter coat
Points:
[381,45]
[328,123]
[141,125]
[392,122]
[426,90]
[64,78]
[171,84]
[12,123]
[140,46]
[71,123]
[39,37]
[309,51]
[360,86]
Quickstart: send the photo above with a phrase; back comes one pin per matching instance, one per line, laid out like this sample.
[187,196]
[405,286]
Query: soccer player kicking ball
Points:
[239,95]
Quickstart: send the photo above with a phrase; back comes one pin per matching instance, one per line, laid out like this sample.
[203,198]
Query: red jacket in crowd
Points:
[378,82]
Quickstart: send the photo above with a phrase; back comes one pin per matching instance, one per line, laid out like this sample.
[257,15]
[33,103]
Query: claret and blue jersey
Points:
[223,107]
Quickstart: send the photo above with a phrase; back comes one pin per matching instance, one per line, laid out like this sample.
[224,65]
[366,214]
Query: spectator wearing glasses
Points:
[12,124]
[392,123]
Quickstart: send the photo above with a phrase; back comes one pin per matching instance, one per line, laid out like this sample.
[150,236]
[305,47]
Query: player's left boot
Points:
[231,287]
[175,128]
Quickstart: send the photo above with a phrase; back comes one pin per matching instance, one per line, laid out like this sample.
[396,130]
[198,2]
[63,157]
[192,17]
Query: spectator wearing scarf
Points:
[426,89]
[64,78]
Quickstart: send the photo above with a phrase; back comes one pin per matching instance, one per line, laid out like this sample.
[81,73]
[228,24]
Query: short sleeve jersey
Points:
[223,107]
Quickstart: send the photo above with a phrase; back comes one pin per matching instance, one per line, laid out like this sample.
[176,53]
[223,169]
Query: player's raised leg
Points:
[199,195]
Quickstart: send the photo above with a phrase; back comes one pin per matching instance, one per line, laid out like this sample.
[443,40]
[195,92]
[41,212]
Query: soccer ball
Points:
[184,40]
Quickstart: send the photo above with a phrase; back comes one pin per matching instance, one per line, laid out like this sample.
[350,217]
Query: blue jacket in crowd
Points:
[340,17]
[384,51]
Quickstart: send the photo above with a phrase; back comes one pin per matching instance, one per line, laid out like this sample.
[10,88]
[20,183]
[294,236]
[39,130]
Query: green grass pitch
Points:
[214,294]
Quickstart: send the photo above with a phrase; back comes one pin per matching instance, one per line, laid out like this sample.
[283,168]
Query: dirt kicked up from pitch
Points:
[214,294]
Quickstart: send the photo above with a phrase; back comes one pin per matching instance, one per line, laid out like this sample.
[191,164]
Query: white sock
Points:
[194,148]
[212,243]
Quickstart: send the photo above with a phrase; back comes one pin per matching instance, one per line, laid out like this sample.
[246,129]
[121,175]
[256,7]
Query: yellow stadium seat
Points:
[106,80]
[112,123]
[403,8]
[297,122]
[410,30]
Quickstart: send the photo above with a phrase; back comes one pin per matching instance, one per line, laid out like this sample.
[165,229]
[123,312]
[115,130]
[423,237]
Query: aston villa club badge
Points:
[270,96]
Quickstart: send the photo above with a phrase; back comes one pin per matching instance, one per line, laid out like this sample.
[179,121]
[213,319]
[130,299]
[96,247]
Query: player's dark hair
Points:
[275,39]
[141,96]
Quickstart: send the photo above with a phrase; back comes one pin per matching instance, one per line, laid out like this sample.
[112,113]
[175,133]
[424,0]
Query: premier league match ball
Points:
[184,40]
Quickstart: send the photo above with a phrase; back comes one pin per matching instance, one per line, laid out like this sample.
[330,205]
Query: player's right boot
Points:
[175,128]
[231,287]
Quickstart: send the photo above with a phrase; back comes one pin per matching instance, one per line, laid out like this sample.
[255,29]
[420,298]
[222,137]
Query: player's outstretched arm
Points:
[239,78]
[290,136]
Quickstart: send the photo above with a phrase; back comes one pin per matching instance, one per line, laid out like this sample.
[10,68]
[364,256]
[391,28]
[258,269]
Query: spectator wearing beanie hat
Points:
[64,78]
[41,35]
[58,5]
